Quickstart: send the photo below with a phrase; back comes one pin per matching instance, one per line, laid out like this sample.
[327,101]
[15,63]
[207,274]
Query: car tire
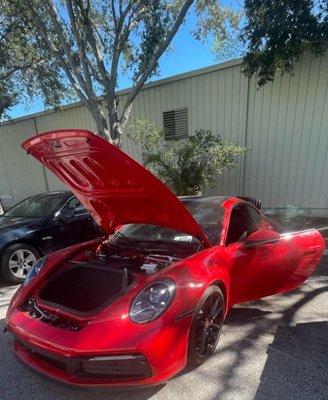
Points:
[24,255]
[206,326]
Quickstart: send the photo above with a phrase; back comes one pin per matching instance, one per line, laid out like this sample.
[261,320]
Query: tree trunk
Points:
[102,126]
[115,126]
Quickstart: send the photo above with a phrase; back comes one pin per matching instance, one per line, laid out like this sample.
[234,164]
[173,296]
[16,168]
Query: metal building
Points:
[284,124]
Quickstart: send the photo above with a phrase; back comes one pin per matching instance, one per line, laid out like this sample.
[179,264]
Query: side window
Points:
[74,205]
[244,220]
[255,219]
[268,223]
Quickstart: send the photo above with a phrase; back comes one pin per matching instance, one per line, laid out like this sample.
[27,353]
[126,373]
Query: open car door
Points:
[280,263]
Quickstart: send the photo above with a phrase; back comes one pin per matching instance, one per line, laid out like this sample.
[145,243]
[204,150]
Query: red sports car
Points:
[136,307]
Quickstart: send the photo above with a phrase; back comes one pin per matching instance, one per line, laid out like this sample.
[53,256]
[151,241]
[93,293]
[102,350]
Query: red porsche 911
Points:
[136,307]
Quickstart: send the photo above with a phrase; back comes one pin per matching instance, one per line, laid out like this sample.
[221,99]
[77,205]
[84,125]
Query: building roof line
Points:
[122,92]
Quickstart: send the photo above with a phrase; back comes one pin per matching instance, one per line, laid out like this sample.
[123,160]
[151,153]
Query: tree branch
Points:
[81,46]
[154,60]
[114,12]
[96,49]
[57,54]
[9,29]
[66,47]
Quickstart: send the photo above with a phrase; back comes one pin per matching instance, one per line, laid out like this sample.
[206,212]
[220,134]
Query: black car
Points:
[39,225]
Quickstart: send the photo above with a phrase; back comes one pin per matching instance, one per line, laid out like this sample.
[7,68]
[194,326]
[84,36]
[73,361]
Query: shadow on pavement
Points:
[299,352]
[297,357]
[274,348]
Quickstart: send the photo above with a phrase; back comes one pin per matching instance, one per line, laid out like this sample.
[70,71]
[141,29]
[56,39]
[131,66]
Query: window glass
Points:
[244,220]
[209,215]
[148,234]
[74,205]
[36,206]
[268,223]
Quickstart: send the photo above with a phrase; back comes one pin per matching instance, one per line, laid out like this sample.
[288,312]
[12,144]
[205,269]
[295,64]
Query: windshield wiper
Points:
[131,242]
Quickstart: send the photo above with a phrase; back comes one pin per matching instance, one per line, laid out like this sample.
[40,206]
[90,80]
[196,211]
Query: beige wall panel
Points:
[287,133]
[5,190]
[24,174]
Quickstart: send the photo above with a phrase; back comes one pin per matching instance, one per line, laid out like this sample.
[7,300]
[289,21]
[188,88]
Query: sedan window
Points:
[74,205]
[37,206]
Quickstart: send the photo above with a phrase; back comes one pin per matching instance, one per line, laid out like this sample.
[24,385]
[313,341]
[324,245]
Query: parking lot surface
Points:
[274,348]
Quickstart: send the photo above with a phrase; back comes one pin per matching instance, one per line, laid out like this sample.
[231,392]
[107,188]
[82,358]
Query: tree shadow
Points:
[300,353]
[297,357]
[288,332]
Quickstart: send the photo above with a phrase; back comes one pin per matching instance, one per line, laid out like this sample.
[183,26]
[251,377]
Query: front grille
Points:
[51,361]
[130,366]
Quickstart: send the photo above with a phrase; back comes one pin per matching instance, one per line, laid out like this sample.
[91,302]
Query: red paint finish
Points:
[261,264]
[111,185]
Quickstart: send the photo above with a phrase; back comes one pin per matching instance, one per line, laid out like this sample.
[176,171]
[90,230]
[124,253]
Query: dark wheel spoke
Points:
[203,340]
[215,327]
[208,324]
[214,308]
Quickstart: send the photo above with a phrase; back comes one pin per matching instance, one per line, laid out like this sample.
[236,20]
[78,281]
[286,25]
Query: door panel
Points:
[273,268]
[80,227]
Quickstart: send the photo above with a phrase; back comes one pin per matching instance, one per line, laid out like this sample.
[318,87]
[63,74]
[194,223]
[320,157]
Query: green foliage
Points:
[86,45]
[185,165]
[277,33]
[25,71]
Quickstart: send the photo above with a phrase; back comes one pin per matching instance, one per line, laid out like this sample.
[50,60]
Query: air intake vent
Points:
[176,123]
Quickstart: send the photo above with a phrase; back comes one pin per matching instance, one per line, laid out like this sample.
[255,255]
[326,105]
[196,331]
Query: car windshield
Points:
[36,206]
[208,213]
[154,233]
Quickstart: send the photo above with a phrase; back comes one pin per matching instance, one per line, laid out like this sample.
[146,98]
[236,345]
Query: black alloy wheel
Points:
[206,326]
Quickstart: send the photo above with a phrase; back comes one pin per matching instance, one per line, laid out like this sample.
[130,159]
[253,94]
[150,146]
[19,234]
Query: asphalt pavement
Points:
[274,348]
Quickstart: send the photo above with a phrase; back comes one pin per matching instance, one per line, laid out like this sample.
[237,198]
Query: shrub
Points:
[185,165]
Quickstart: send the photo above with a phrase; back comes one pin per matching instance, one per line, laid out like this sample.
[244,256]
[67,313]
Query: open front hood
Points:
[112,186]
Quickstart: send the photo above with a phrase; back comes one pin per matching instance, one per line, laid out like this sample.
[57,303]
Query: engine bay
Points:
[134,259]
[94,279]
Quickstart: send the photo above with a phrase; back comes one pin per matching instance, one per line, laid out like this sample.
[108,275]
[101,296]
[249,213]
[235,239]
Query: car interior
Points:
[244,220]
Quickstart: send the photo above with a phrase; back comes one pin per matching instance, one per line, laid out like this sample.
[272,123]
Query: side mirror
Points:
[261,237]
[65,215]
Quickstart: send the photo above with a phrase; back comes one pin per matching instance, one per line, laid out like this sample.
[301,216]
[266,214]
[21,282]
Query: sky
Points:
[187,54]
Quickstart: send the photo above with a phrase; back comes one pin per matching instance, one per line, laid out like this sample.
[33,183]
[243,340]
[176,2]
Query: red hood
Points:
[112,186]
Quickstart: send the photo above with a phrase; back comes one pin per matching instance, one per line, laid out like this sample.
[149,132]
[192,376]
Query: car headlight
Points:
[152,301]
[33,272]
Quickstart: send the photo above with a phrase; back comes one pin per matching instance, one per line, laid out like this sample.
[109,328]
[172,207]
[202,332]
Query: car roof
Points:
[204,199]
[63,193]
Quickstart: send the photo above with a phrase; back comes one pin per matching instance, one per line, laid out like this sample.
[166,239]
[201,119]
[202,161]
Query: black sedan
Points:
[39,225]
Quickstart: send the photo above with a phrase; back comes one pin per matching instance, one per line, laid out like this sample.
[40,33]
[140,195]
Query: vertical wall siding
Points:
[288,136]
[215,100]
[284,125]
[25,176]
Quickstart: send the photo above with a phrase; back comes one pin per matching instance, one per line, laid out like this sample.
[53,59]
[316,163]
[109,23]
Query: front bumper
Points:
[90,358]
[115,370]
